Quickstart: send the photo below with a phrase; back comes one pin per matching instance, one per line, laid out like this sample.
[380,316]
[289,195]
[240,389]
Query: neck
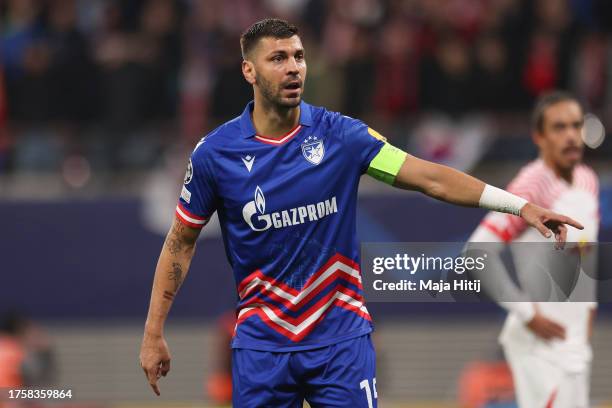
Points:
[565,174]
[274,121]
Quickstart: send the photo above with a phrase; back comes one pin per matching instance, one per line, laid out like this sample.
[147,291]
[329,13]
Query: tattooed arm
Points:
[172,267]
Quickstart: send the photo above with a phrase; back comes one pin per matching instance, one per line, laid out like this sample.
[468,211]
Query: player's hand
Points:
[546,328]
[154,359]
[548,222]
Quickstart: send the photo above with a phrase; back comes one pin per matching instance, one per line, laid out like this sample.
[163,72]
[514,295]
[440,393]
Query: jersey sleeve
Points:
[362,142]
[198,199]
[507,226]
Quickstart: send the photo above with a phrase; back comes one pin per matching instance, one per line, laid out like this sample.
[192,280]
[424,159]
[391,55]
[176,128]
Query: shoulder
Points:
[535,169]
[586,171]
[336,120]
[531,174]
[320,113]
[587,178]
[216,139]
[352,130]
[334,125]
[533,182]
[345,122]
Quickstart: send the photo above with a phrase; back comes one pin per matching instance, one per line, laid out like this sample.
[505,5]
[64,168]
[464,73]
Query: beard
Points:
[272,94]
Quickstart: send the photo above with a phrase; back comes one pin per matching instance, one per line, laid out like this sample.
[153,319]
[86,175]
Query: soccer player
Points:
[547,343]
[283,179]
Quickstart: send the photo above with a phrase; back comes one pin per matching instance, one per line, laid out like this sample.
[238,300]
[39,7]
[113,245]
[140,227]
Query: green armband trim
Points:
[387,163]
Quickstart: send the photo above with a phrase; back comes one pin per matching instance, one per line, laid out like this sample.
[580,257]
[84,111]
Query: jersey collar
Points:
[246,124]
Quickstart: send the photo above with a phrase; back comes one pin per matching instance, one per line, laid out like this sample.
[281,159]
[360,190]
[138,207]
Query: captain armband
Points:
[387,163]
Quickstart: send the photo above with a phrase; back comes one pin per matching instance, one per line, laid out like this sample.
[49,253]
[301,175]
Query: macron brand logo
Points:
[248,162]
[254,213]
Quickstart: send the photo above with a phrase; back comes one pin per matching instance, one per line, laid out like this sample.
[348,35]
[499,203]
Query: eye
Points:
[277,58]
[558,126]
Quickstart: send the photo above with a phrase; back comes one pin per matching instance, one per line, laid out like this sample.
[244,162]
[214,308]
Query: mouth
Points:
[292,86]
[572,151]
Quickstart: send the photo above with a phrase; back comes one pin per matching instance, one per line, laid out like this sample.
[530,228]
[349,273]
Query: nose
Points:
[574,134]
[292,67]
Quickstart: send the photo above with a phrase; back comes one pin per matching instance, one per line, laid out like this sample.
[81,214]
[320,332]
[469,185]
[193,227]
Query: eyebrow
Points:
[284,52]
[569,123]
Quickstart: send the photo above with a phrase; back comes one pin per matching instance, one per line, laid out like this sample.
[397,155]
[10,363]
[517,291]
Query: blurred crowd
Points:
[117,82]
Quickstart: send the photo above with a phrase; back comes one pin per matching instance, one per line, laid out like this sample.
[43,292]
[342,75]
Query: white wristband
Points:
[496,199]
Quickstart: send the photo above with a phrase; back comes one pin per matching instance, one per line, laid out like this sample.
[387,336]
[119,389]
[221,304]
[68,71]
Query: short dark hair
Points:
[546,101]
[269,27]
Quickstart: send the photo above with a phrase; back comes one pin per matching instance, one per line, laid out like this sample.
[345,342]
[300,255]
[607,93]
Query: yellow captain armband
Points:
[387,163]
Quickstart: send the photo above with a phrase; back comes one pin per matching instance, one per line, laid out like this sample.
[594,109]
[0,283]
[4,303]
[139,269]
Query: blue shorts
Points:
[339,375]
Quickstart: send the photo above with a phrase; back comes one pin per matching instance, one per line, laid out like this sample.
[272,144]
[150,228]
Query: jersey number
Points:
[365,384]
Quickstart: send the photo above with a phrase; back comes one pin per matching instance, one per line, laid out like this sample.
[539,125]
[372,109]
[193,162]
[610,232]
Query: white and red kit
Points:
[548,373]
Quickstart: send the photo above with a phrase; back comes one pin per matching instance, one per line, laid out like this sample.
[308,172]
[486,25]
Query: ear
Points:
[248,71]
[537,137]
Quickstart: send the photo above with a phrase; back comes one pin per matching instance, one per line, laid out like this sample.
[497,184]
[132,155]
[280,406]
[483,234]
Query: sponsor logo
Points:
[248,162]
[313,150]
[188,173]
[254,213]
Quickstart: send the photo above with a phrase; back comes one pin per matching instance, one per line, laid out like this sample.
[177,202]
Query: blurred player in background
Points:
[26,353]
[547,344]
[12,352]
[283,178]
[219,383]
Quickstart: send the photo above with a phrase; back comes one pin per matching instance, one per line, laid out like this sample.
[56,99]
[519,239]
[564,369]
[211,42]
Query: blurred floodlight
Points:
[593,131]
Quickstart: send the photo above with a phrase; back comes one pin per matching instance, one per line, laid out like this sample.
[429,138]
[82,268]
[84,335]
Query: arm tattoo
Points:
[174,245]
[168,295]
[173,241]
[176,275]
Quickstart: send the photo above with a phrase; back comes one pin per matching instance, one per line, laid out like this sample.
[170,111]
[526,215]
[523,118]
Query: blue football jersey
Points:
[287,210]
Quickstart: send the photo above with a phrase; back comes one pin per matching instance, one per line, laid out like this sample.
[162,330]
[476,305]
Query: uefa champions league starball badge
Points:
[189,172]
[313,149]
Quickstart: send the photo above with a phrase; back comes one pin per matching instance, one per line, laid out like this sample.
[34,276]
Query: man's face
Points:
[278,70]
[560,137]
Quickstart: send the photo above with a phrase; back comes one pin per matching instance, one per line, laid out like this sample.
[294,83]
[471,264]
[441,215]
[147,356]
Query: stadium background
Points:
[102,101]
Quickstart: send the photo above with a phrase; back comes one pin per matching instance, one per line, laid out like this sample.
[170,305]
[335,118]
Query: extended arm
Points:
[450,185]
[170,273]
[439,182]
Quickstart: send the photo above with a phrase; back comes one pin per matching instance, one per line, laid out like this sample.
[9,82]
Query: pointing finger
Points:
[155,389]
[152,377]
[570,221]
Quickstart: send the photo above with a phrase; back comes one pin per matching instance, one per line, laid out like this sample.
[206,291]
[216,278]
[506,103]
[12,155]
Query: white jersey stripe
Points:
[184,216]
[336,266]
[279,141]
[308,321]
